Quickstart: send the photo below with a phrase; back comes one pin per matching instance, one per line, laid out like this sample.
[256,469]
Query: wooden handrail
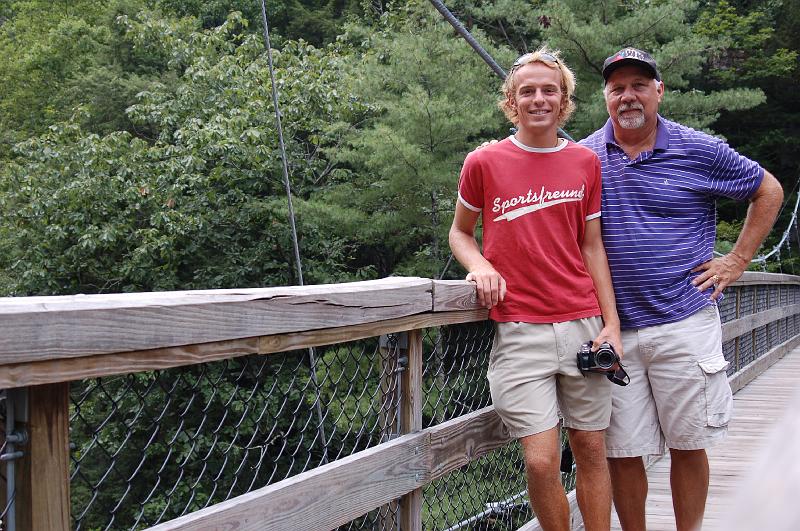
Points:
[55,339]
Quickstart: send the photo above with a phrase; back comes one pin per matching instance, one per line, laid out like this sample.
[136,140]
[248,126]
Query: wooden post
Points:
[43,474]
[390,352]
[411,413]
[736,359]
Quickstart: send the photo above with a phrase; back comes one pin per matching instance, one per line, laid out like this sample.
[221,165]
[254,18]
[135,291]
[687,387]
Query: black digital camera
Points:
[603,360]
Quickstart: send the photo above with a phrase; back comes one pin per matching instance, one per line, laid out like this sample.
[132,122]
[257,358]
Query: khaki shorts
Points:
[679,393]
[533,369]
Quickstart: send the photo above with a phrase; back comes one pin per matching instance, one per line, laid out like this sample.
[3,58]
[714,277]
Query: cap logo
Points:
[631,53]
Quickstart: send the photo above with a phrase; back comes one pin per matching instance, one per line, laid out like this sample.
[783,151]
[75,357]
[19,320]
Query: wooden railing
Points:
[46,342]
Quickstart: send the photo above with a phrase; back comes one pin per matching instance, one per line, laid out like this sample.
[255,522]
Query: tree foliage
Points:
[403,162]
[153,161]
[63,55]
[201,202]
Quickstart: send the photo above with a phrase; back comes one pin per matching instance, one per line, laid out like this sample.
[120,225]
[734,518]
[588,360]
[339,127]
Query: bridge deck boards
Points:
[757,409]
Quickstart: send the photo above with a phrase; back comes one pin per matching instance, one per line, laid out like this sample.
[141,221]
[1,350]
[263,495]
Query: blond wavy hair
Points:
[551,59]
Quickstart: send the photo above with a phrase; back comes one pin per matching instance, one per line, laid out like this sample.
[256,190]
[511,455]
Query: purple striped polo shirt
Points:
[659,217]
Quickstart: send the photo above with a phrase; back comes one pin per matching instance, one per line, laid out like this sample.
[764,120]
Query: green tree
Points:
[434,100]
[666,30]
[60,55]
[201,204]
[762,51]
[315,21]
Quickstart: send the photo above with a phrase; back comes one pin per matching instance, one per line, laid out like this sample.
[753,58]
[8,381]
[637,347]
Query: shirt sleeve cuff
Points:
[466,204]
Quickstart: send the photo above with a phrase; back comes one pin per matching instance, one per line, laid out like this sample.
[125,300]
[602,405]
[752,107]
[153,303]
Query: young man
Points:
[660,183]
[543,273]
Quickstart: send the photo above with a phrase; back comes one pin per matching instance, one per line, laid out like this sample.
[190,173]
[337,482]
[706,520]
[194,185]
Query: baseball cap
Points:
[630,56]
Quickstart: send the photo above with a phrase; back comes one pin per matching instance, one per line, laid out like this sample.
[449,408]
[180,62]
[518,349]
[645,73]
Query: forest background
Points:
[138,147]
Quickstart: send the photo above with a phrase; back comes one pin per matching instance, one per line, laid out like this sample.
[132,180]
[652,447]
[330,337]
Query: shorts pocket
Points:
[495,346]
[719,400]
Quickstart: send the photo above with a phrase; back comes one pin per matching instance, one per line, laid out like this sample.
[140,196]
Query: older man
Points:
[660,183]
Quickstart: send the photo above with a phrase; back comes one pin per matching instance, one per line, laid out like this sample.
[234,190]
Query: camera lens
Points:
[605,358]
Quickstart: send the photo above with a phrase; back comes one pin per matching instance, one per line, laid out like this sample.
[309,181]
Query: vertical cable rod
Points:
[311,357]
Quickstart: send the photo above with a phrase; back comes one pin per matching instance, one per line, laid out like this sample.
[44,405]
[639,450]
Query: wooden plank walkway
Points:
[758,408]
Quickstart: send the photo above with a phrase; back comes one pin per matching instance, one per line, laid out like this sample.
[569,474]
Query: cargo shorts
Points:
[678,395]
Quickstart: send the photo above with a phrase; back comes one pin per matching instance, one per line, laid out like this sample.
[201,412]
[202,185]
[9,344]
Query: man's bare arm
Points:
[596,261]
[490,284]
[761,214]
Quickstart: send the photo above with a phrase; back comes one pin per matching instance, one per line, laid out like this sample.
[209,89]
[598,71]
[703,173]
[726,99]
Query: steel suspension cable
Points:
[464,32]
[481,51]
[312,359]
[282,145]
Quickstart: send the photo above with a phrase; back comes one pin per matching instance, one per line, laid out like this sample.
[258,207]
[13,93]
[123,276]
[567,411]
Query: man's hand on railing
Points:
[490,284]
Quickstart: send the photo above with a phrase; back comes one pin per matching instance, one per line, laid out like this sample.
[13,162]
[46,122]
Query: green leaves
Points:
[746,53]
[431,97]
[200,204]
[163,168]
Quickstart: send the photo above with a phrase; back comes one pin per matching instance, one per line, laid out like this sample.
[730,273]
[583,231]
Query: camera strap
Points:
[619,376]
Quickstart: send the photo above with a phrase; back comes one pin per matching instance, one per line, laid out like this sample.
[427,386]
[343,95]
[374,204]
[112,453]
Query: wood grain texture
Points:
[41,328]
[325,497]
[454,295]
[43,500]
[69,369]
[412,395]
[459,441]
[411,400]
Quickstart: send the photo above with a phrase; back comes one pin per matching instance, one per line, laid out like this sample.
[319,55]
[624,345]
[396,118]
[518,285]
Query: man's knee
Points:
[542,453]
[587,446]
[689,458]
[541,466]
[625,465]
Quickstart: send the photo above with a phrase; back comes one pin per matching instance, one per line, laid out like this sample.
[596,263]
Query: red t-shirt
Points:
[535,203]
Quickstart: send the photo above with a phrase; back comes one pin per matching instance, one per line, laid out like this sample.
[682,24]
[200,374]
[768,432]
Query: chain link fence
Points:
[149,447]
[743,301]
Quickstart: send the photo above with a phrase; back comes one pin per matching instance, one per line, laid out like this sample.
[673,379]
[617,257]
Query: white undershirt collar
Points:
[562,143]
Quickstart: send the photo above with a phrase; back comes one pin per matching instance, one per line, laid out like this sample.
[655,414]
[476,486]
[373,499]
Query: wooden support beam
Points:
[745,324]
[59,370]
[339,492]
[43,500]
[411,402]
